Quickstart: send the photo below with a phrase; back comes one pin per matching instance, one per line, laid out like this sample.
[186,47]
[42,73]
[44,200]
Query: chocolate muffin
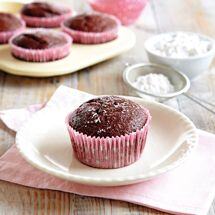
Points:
[43,14]
[42,9]
[39,40]
[9,22]
[108,116]
[91,28]
[108,131]
[9,25]
[91,23]
[40,45]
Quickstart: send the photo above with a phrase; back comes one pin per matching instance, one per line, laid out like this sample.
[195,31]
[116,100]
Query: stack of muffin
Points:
[43,44]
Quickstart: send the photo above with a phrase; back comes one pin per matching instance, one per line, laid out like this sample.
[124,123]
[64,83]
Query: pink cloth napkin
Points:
[188,189]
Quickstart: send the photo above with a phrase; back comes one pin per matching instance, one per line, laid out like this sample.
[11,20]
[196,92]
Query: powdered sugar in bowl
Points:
[189,52]
[155,82]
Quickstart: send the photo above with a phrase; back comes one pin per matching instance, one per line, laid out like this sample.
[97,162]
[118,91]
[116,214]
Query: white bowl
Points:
[191,66]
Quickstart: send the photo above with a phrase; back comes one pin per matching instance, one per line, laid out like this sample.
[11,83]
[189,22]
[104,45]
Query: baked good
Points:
[40,45]
[44,14]
[108,131]
[108,116]
[91,28]
[9,25]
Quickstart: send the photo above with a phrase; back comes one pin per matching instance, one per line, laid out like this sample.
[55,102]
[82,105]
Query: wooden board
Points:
[81,56]
[106,78]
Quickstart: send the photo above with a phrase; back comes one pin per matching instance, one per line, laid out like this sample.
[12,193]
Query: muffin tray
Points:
[81,56]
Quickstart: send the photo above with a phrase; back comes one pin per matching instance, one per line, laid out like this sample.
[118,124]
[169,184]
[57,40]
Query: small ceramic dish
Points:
[180,82]
[192,66]
[126,11]
[44,142]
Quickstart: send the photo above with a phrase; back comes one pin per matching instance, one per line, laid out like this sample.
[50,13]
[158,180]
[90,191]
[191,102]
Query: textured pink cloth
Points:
[188,189]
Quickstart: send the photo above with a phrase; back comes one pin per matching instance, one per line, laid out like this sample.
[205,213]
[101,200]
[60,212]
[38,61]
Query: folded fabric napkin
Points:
[188,189]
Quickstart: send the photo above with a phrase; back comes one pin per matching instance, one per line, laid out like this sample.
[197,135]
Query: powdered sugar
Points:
[181,44]
[154,83]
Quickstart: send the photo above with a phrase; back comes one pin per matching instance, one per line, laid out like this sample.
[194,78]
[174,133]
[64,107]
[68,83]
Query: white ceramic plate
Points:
[81,56]
[44,142]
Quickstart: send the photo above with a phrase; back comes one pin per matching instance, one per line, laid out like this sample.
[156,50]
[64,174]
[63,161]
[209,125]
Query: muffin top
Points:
[108,116]
[9,22]
[43,9]
[39,40]
[91,23]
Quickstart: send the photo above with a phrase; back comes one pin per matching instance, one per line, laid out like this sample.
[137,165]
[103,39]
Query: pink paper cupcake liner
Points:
[6,35]
[109,152]
[44,55]
[45,22]
[92,37]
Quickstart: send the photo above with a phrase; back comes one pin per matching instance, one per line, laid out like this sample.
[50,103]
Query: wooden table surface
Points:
[106,78]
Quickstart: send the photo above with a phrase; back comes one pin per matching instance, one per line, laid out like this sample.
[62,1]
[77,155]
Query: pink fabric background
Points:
[188,189]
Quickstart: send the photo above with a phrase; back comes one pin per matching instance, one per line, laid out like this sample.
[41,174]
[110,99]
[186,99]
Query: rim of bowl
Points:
[168,95]
[211,51]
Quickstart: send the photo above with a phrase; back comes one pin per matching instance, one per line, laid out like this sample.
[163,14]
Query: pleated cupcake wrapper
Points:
[92,37]
[5,36]
[44,55]
[45,22]
[114,152]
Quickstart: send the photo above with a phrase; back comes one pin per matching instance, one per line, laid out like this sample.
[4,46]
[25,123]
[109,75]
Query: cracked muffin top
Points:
[108,116]
[91,23]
